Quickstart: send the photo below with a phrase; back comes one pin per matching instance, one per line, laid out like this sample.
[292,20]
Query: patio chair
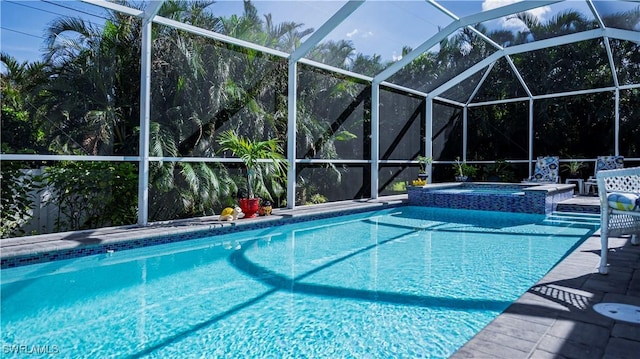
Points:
[603,163]
[546,171]
[619,192]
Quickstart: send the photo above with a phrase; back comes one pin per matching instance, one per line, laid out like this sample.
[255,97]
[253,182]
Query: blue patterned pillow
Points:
[609,163]
[546,169]
[624,201]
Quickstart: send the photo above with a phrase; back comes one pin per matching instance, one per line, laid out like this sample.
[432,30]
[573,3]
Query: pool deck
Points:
[553,319]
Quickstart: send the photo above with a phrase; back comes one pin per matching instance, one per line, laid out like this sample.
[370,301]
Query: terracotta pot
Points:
[249,206]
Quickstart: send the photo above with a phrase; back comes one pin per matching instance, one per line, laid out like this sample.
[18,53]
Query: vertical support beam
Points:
[375,138]
[617,123]
[612,64]
[428,135]
[530,135]
[465,111]
[145,110]
[292,89]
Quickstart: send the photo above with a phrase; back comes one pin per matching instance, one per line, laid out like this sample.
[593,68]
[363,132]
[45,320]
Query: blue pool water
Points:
[403,282]
[491,191]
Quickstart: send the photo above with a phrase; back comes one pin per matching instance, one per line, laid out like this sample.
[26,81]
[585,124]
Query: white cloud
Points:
[362,35]
[540,12]
[510,22]
[396,57]
[493,4]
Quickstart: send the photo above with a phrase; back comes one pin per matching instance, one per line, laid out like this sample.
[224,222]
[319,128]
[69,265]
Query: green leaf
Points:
[344,136]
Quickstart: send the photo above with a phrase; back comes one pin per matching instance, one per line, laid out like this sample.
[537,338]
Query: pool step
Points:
[580,204]
[573,218]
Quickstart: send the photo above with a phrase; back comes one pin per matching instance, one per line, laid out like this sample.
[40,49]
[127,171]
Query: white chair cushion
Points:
[624,201]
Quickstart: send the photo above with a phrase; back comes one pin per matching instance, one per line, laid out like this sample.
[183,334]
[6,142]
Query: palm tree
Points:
[285,36]
[335,53]
[250,152]
[94,90]
[22,130]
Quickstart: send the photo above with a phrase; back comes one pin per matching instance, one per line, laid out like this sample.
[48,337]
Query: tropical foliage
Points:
[251,152]
[16,201]
[83,98]
[92,194]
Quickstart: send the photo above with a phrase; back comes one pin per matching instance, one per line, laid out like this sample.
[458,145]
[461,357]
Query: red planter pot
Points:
[249,206]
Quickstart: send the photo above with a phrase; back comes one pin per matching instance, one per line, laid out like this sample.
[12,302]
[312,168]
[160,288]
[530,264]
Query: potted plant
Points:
[250,152]
[464,171]
[574,168]
[423,162]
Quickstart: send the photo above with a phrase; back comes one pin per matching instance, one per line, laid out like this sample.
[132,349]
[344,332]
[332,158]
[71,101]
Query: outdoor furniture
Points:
[619,192]
[546,171]
[579,182]
[603,163]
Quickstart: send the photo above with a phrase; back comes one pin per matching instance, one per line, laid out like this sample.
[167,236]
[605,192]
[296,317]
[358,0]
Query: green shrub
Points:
[93,194]
[16,201]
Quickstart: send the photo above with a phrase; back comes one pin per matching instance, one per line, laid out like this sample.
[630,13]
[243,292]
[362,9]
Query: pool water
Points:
[403,282]
[492,191]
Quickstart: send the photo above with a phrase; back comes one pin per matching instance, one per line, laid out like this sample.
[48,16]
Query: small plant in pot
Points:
[250,152]
[464,171]
[423,162]
[574,168]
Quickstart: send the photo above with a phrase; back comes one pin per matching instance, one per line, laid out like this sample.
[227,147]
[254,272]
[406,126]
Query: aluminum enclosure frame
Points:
[149,17]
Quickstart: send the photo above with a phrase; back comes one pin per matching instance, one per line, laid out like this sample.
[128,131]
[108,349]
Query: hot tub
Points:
[503,197]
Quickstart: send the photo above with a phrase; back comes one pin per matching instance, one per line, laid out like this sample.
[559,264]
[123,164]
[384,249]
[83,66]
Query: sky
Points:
[23,23]
[379,27]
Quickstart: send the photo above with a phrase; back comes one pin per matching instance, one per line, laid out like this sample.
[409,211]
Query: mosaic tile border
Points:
[577,208]
[93,249]
[536,201]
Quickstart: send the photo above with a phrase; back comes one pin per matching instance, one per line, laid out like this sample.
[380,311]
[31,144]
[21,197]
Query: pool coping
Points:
[549,187]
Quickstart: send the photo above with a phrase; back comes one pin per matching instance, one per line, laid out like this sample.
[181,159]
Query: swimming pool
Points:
[503,197]
[400,282]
